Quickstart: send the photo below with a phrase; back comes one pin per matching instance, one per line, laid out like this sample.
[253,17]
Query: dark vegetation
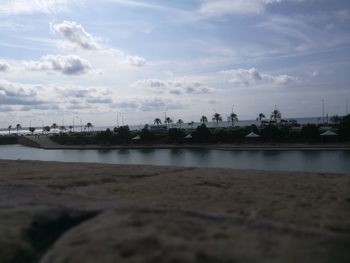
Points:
[270,133]
[8,139]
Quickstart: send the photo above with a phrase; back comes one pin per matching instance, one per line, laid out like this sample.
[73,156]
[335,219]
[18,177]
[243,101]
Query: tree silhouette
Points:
[168,120]
[276,115]
[46,129]
[157,121]
[54,126]
[18,127]
[191,124]
[232,118]
[217,117]
[204,119]
[9,129]
[89,125]
[32,129]
[180,122]
[261,116]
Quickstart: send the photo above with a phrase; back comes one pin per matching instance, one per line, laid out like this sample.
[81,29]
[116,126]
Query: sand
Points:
[60,212]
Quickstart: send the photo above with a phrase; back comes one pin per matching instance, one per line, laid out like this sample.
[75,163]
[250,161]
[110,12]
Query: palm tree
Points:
[232,118]
[204,119]
[260,117]
[191,124]
[217,117]
[276,115]
[157,121]
[89,125]
[168,120]
[180,122]
[18,127]
[70,127]
[9,128]
[32,130]
[46,129]
[54,126]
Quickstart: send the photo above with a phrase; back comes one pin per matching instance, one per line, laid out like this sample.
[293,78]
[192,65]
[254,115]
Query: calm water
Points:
[316,161]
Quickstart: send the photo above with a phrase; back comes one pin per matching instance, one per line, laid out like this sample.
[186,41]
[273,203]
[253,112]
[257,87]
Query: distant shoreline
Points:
[47,144]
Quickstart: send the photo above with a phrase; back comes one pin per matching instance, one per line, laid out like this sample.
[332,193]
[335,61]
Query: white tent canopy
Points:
[252,135]
[137,137]
[328,133]
[188,136]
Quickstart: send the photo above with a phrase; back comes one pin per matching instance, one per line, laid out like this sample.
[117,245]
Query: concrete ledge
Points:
[28,142]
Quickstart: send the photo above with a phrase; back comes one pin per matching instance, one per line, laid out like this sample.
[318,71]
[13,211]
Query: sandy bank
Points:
[59,212]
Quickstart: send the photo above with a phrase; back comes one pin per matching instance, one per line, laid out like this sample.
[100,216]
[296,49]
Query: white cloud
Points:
[252,77]
[148,104]
[19,7]
[4,66]
[226,7]
[152,83]
[67,65]
[175,87]
[16,95]
[135,61]
[76,34]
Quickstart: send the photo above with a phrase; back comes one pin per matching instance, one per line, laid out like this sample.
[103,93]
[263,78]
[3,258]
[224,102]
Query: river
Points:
[310,161]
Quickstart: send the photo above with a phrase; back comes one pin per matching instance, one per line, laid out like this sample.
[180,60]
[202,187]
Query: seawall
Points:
[28,142]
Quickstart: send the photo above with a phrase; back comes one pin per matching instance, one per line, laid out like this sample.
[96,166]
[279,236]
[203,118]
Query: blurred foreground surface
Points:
[60,212]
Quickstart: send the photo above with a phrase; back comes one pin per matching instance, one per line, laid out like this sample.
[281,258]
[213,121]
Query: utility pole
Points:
[347,107]
[323,111]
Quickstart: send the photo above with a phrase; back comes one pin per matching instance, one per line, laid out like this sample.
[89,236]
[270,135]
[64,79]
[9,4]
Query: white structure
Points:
[137,137]
[252,135]
[329,133]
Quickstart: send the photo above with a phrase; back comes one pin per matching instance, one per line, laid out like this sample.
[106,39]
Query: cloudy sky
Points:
[97,59]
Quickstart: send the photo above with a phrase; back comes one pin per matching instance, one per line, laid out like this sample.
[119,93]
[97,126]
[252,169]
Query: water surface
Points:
[312,161]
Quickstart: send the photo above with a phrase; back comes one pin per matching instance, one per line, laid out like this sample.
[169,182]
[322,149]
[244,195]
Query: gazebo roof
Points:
[328,133]
[252,135]
[137,137]
[188,136]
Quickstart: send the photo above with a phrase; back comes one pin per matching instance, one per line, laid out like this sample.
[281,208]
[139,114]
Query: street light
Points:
[323,111]
[81,123]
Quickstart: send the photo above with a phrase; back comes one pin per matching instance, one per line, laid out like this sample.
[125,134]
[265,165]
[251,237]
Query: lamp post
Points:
[81,123]
[323,111]
[122,118]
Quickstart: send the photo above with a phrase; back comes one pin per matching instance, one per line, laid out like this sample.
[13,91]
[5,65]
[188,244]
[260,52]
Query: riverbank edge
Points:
[170,147]
[46,143]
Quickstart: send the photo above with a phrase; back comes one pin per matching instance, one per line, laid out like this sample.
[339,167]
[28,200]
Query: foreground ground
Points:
[58,212]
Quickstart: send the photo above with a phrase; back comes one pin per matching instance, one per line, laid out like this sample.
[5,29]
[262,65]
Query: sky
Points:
[99,61]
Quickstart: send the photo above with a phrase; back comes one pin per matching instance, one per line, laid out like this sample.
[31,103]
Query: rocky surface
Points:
[59,212]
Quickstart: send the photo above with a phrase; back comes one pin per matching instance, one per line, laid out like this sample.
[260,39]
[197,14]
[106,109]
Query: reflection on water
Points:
[318,161]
